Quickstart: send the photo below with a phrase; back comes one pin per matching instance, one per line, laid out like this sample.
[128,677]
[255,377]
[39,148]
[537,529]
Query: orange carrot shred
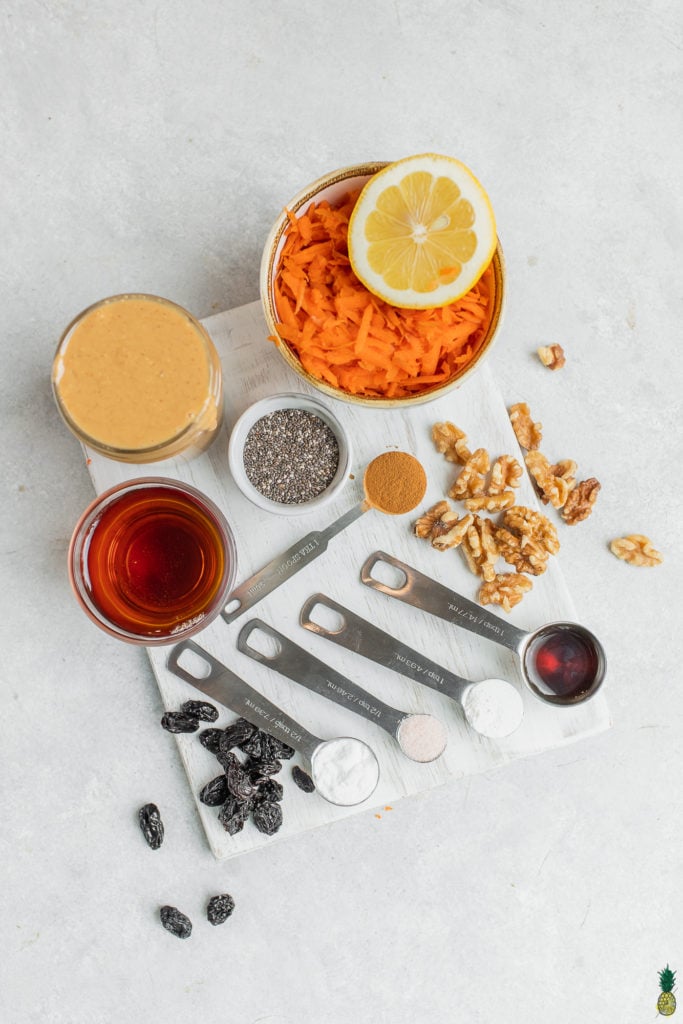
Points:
[348,337]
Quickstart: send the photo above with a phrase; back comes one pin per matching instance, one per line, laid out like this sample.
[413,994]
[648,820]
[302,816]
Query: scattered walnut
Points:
[506,589]
[451,537]
[528,433]
[525,553]
[423,526]
[551,488]
[451,442]
[480,549]
[579,504]
[552,356]
[532,525]
[472,476]
[490,502]
[505,472]
[565,469]
[636,549]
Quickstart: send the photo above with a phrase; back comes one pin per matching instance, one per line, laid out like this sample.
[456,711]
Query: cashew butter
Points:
[138,379]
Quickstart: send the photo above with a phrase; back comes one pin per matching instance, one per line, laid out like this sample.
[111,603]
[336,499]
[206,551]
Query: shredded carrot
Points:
[350,338]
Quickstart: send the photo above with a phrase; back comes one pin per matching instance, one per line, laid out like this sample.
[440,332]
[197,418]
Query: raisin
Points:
[263,769]
[175,922]
[271,790]
[267,817]
[276,749]
[233,815]
[200,709]
[237,734]
[303,779]
[219,908]
[210,738]
[227,759]
[151,825]
[254,745]
[215,792]
[177,721]
[239,783]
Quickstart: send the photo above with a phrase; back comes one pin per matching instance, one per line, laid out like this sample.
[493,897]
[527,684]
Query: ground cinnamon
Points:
[395,482]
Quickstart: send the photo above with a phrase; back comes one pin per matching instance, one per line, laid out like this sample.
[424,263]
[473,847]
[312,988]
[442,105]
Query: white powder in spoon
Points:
[421,737]
[493,707]
[345,771]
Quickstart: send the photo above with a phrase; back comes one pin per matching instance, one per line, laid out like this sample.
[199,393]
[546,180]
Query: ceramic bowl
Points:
[332,187]
[273,403]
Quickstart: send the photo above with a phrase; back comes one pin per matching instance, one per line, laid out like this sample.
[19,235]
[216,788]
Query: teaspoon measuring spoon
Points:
[562,663]
[420,737]
[344,786]
[284,566]
[492,707]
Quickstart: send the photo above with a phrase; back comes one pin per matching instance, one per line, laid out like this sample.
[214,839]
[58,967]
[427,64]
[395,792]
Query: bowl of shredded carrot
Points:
[344,340]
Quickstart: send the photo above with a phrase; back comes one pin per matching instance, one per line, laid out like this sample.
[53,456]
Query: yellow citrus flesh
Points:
[422,232]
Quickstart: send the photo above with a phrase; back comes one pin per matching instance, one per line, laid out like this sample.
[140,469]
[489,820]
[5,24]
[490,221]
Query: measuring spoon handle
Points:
[227,688]
[358,635]
[425,593]
[284,566]
[304,668]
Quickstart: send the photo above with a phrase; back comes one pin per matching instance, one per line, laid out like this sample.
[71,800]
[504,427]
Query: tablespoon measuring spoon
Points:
[562,663]
[345,770]
[396,499]
[492,707]
[420,737]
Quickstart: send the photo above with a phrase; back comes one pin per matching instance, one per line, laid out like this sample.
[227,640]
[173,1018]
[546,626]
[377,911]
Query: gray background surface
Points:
[149,147]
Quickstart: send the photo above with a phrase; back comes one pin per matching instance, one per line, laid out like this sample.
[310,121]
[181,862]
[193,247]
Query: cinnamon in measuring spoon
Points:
[394,483]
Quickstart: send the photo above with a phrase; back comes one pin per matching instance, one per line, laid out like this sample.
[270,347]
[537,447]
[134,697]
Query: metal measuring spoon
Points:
[345,770]
[563,663]
[492,707]
[284,566]
[420,737]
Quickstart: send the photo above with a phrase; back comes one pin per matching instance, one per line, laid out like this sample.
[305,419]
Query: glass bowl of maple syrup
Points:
[152,561]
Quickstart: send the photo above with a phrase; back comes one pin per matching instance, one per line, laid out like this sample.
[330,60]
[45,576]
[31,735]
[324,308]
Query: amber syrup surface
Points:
[155,561]
[564,663]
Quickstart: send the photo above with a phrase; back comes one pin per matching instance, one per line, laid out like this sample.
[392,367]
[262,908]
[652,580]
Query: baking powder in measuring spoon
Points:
[345,771]
[493,707]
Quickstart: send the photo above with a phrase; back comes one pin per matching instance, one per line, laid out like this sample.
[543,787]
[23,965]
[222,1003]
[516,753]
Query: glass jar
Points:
[137,379]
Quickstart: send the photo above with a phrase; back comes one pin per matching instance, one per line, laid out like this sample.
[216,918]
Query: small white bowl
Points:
[287,400]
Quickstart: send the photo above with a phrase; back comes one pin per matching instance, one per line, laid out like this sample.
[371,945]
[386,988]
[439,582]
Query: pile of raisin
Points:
[249,758]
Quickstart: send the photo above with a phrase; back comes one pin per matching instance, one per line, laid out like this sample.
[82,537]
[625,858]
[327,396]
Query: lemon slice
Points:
[422,232]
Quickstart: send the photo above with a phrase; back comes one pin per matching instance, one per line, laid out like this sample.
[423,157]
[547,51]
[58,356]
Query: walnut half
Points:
[580,502]
[636,549]
[506,589]
[552,356]
[528,433]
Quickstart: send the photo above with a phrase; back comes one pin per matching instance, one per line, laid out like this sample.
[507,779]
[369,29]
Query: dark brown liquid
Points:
[564,662]
[155,561]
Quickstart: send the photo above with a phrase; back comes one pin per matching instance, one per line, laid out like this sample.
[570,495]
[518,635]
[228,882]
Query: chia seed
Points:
[290,456]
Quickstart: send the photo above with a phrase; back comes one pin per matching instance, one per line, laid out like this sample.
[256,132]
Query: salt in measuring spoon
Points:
[345,770]
[392,493]
[492,707]
[562,663]
[420,737]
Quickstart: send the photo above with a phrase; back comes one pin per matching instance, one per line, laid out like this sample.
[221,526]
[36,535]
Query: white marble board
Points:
[252,369]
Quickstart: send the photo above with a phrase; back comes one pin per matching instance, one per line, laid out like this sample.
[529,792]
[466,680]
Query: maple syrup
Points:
[563,662]
[152,561]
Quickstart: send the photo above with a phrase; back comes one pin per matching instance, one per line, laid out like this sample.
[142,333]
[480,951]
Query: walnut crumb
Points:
[580,502]
[636,549]
[505,589]
[528,433]
[451,441]
[552,356]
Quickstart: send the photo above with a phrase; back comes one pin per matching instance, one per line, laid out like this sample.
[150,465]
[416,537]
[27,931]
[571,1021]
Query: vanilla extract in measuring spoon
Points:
[563,663]
[345,770]
[492,707]
[394,483]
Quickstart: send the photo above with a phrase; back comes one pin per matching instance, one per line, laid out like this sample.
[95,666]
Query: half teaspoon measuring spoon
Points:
[492,707]
[345,770]
[562,663]
[404,492]
[420,737]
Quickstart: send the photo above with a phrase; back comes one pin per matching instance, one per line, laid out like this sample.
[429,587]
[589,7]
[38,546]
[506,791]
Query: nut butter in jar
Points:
[137,378]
